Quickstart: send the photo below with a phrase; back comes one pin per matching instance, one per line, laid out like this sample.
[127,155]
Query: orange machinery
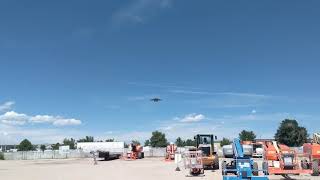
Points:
[312,151]
[281,160]
[170,152]
[135,152]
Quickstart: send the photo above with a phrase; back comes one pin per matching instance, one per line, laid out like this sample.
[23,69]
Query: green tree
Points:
[55,146]
[225,141]
[136,142]
[158,139]
[25,145]
[43,147]
[179,142]
[247,135]
[147,142]
[109,140]
[1,156]
[87,139]
[190,142]
[69,142]
[291,134]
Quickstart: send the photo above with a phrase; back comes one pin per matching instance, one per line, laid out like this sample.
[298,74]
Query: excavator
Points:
[205,143]
[312,150]
[241,167]
[282,160]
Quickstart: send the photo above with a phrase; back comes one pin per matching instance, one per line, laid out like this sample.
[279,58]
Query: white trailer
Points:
[106,150]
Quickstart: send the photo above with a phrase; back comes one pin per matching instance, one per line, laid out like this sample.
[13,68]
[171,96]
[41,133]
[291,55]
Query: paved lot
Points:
[83,169]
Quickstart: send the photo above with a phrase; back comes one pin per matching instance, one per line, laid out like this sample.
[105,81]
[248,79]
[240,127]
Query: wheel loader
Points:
[205,143]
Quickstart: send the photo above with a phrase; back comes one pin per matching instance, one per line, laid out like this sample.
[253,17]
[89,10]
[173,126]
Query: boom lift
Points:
[205,143]
[312,150]
[135,152]
[243,168]
[170,152]
[282,160]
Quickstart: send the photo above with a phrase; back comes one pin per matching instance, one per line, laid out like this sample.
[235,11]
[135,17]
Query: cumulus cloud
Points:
[14,118]
[192,118]
[7,106]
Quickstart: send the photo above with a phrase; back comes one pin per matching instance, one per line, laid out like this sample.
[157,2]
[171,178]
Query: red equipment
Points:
[135,152]
[312,151]
[170,152]
[281,160]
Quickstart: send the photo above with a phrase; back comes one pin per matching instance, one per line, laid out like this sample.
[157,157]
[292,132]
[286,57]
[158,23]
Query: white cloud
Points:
[253,111]
[7,106]
[238,94]
[160,85]
[15,134]
[191,92]
[66,122]
[42,119]
[167,128]
[192,118]
[14,118]
[139,11]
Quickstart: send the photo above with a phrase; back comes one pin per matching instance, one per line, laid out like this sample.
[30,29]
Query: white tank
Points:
[228,150]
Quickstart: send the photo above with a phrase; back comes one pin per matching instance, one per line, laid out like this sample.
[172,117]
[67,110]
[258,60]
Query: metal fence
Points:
[34,155]
[56,154]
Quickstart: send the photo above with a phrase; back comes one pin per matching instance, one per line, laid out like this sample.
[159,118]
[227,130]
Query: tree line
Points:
[289,133]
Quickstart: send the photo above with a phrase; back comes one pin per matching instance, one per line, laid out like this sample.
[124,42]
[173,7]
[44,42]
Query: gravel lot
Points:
[83,169]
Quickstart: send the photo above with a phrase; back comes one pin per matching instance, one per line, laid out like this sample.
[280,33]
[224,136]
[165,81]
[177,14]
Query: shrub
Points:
[1,156]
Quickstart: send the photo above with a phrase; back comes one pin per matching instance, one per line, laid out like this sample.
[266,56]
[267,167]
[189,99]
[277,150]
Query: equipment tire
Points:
[304,164]
[223,168]
[265,168]
[195,172]
[215,164]
[315,167]
[255,169]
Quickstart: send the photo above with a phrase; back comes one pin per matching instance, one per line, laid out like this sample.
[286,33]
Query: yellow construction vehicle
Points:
[205,143]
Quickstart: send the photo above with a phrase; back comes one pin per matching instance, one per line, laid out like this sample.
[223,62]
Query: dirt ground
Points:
[83,169]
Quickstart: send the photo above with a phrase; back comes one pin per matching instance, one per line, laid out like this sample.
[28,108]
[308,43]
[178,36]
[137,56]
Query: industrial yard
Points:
[159,90]
[83,169]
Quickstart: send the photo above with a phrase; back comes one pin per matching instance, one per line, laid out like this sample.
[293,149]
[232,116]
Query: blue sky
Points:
[75,68]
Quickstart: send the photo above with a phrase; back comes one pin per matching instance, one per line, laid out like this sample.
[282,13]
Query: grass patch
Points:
[1,156]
